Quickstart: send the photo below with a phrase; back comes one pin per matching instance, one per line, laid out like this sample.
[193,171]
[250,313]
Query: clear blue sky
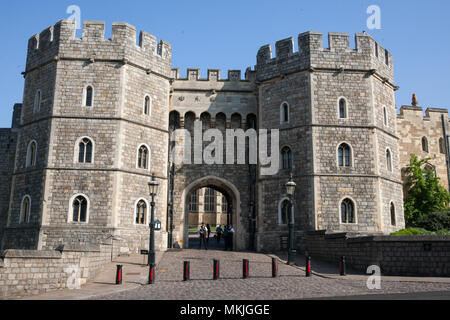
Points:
[227,35]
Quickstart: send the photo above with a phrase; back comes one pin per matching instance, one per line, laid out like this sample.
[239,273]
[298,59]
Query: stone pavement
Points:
[135,274]
[290,285]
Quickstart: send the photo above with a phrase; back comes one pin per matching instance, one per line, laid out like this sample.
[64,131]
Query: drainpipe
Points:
[447,150]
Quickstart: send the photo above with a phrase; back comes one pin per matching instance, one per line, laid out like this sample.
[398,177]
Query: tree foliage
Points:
[425,195]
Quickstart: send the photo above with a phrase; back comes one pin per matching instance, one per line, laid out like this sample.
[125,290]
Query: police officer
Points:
[203,230]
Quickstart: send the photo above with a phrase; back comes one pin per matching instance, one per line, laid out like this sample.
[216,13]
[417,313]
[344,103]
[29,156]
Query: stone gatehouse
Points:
[98,114]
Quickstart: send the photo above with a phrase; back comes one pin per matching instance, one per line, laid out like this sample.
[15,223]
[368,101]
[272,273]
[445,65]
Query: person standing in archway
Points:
[203,230]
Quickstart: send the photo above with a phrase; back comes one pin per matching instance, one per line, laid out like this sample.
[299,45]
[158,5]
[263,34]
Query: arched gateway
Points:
[233,197]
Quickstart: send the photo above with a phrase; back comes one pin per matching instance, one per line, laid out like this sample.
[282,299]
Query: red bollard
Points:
[308,266]
[187,271]
[216,270]
[119,275]
[245,270]
[151,274]
[274,268]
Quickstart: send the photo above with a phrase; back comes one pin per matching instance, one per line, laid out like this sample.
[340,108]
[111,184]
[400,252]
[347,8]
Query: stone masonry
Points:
[137,101]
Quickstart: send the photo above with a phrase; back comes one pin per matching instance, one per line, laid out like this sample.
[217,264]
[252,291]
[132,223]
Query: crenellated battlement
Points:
[417,112]
[214,81]
[213,75]
[60,41]
[311,54]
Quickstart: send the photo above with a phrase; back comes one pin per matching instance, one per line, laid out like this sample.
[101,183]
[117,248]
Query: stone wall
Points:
[427,256]
[412,126]
[24,272]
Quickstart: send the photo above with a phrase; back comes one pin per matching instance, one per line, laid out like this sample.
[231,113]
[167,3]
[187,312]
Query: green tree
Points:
[424,193]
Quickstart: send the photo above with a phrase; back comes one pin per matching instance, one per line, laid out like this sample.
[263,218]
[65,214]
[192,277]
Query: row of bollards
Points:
[216,270]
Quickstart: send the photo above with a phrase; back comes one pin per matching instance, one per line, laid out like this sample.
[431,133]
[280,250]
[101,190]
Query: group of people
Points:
[226,232]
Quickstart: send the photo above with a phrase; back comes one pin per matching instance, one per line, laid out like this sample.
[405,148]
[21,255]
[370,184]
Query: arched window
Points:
[389,160]
[284,113]
[221,121]
[210,200]
[343,108]
[79,209]
[193,201]
[141,212]
[25,210]
[344,155]
[286,158]
[174,120]
[189,120]
[286,207]
[347,211]
[89,96]
[441,146]
[37,101]
[425,144]
[251,122]
[31,154]
[143,157]
[147,105]
[236,121]
[385,116]
[85,151]
[393,218]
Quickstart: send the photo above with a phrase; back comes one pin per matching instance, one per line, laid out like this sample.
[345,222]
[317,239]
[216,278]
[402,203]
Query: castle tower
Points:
[94,127]
[335,110]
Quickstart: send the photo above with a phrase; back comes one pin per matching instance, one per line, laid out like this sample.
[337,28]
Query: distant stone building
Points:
[207,206]
[97,117]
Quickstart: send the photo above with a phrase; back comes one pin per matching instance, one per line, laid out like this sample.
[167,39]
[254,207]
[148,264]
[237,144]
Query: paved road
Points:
[292,283]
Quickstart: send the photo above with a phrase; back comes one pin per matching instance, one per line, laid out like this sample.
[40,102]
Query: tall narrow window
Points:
[210,200]
[224,204]
[143,154]
[344,155]
[441,146]
[284,112]
[85,151]
[89,96]
[286,208]
[376,49]
[385,116]
[31,154]
[347,211]
[37,101]
[193,203]
[79,209]
[147,105]
[425,144]
[286,155]
[389,160]
[141,212]
[342,109]
[386,57]
[393,218]
[25,210]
